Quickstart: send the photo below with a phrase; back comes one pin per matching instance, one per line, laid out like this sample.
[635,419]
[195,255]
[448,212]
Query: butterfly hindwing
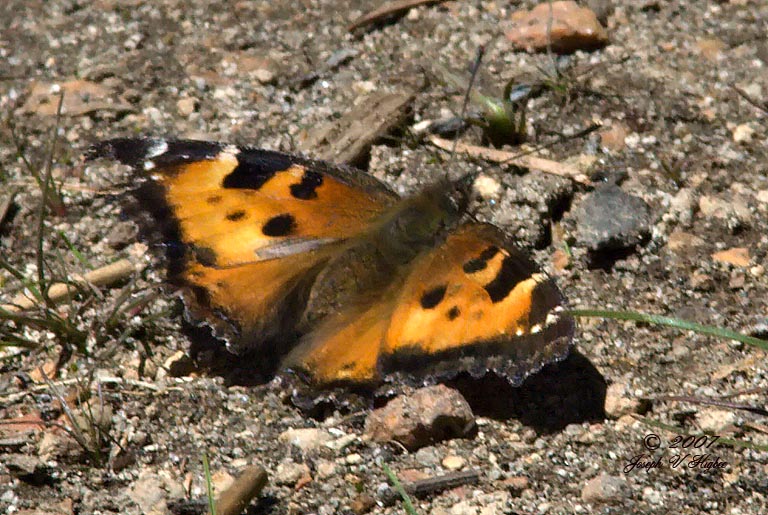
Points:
[475,303]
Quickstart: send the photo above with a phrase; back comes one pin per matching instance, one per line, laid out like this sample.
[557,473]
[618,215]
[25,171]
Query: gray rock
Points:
[608,219]
[29,469]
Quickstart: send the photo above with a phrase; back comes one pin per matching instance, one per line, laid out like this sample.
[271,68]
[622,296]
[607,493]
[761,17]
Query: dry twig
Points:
[394,8]
[501,156]
[248,485]
[348,139]
[432,485]
[103,276]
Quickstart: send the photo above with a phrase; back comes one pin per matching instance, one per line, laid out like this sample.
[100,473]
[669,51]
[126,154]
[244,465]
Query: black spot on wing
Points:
[213,199]
[454,313]
[255,167]
[474,265]
[480,262]
[433,297]
[234,216]
[489,253]
[306,189]
[206,256]
[280,225]
[512,272]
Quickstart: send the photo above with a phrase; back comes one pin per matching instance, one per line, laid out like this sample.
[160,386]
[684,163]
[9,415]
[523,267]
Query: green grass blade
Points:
[676,323]
[209,484]
[407,504]
[78,255]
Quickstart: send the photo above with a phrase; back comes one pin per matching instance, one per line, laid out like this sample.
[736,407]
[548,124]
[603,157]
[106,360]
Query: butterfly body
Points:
[345,281]
[367,266]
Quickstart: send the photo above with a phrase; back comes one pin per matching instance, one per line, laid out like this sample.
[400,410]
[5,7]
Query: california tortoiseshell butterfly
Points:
[329,268]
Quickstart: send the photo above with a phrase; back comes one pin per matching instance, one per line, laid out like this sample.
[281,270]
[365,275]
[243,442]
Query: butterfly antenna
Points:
[465,104]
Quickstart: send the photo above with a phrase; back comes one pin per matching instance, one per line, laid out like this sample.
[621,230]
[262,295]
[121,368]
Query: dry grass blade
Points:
[136,383]
[763,106]
[91,447]
[713,402]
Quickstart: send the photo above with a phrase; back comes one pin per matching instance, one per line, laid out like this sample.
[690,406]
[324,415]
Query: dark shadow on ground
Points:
[569,392]
[210,355]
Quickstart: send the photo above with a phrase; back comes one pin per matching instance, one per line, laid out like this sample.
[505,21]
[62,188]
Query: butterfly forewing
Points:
[253,225]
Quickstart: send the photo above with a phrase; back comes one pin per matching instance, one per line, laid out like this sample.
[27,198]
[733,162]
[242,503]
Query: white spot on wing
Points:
[156,148]
[231,150]
[551,318]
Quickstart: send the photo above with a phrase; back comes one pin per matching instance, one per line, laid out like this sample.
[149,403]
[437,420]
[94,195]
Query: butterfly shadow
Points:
[210,355]
[569,392]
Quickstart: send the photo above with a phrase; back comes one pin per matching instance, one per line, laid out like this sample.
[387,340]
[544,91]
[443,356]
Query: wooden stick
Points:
[348,139]
[501,156]
[394,8]
[248,485]
[431,485]
[103,276]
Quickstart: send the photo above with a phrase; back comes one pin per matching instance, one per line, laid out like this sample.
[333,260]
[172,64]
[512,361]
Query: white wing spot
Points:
[552,317]
[156,148]
[231,150]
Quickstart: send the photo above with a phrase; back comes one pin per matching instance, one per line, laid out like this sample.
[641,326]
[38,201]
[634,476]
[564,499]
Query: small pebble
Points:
[306,439]
[453,462]
[289,473]
[737,256]
[605,489]
[743,133]
[564,26]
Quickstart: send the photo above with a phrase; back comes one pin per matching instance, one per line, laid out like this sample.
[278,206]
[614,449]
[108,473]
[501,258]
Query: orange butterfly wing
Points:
[474,303]
[253,225]
[344,348]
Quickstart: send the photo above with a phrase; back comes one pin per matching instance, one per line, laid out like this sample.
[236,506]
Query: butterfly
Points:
[345,282]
